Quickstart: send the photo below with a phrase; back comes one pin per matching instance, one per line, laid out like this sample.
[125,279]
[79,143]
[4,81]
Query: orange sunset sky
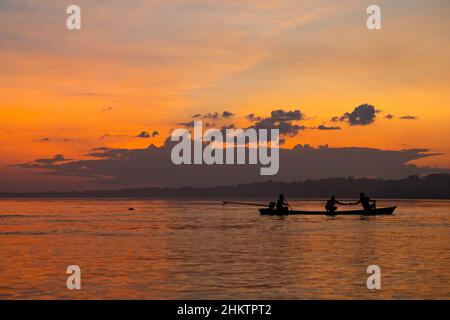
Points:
[149,65]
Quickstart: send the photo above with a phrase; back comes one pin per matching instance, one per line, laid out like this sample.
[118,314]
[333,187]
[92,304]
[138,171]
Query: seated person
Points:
[330,206]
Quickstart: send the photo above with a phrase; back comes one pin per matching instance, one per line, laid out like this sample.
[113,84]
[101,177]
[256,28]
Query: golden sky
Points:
[148,65]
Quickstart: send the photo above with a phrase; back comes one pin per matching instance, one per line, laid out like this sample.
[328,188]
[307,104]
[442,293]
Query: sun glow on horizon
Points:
[151,67]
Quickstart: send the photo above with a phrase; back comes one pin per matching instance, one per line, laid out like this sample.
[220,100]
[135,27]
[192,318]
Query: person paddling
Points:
[282,204]
[367,203]
[330,206]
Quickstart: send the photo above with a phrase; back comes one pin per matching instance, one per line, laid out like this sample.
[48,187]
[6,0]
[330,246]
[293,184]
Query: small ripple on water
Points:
[27,216]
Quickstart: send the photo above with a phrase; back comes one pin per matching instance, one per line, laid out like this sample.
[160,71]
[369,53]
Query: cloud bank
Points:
[114,167]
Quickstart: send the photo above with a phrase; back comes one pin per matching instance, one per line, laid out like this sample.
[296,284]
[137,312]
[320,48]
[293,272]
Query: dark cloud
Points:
[283,121]
[335,119]
[46,139]
[281,115]
[107,109]
[38,163]
[362,115]
[408,117]
[252,117]
[229,126]
[286,128]
[190,124]
[109,153]
[213,116]
[56,158]
[227,114]
[112,136]
[279,119]
[147,134]
[324,127]
[152,166]
[143,134]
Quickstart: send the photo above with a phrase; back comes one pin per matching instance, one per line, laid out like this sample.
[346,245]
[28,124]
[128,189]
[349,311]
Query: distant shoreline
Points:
[430,187]
[211,198]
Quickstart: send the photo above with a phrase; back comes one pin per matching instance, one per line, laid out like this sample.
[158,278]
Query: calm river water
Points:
[199,249]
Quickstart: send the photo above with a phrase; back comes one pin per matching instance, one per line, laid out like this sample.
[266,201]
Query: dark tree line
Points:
[434,186]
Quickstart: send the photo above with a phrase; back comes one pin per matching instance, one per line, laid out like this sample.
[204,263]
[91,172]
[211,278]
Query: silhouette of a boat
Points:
[373,212]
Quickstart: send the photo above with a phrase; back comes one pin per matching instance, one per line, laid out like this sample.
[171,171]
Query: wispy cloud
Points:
[408,117]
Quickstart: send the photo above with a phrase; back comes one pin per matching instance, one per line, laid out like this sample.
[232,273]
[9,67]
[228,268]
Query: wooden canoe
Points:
[373,212]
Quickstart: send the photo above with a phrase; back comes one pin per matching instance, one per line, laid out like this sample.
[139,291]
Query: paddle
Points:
[245,203]
[289,206]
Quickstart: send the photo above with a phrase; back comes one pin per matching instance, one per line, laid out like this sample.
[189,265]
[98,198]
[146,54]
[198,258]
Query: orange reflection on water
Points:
[185,249]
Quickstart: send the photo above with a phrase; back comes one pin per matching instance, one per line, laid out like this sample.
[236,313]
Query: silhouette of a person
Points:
[281,203]
[330,206]
[366,202]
